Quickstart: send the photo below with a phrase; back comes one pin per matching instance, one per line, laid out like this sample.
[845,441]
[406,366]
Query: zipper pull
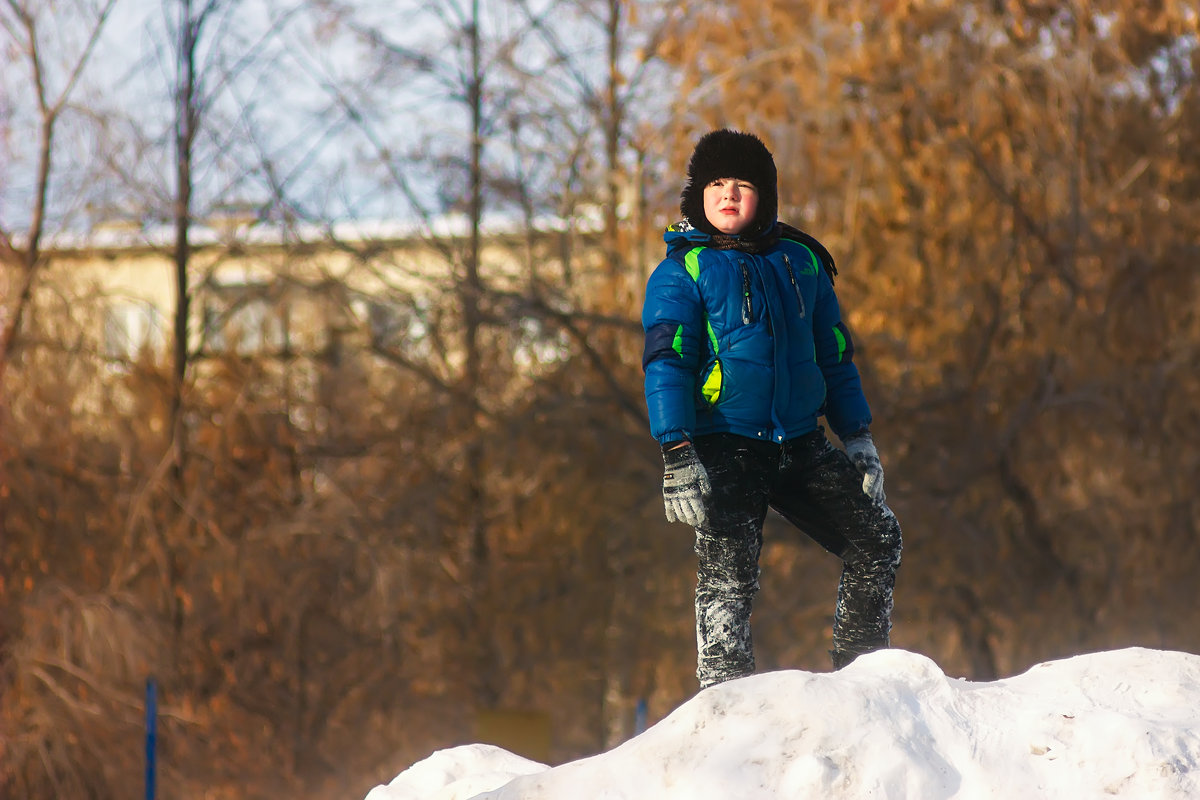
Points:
[747,310]
[792,276]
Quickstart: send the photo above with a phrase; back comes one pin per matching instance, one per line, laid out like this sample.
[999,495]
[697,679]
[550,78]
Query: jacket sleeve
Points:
[846,407]
[673,320]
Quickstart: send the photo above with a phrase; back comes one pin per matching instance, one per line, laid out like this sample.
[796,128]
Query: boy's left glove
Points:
[685,485]
[861,449]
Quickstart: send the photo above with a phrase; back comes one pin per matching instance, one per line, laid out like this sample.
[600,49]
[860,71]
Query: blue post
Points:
[151,735]
[639,717]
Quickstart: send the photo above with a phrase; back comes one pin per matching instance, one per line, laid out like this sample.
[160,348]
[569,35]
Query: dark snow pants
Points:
[816,487]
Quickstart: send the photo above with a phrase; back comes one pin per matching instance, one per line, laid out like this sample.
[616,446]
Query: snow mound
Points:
[457,774]
[891,726]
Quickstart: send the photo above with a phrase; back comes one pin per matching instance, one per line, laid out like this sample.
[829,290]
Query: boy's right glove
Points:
[685,485]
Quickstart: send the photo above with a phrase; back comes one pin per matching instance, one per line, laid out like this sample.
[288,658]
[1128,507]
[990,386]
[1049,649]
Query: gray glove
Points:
[861,449]
[685,485]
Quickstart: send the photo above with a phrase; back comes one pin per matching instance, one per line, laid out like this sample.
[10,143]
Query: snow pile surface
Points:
[891,726]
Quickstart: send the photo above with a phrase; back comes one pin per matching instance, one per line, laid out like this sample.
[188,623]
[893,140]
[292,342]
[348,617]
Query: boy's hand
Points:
[685,485]
[862,452]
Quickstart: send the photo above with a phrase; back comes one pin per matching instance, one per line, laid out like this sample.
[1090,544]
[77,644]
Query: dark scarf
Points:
[761,244]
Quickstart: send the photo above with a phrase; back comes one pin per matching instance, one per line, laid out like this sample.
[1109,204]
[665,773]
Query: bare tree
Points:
[596,103]
[52,56]
[53,77]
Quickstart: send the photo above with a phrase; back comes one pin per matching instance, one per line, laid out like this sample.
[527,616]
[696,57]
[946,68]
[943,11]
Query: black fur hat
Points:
[731,154]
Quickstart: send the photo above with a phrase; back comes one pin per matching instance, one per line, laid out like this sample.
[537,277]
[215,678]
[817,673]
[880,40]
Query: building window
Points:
[245,319]
[131,327]
[396,325]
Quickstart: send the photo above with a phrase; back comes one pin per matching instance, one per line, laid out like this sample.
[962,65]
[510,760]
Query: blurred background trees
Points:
[335,551]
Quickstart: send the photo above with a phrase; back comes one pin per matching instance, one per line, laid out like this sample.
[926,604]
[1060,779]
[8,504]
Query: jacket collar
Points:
[683,234]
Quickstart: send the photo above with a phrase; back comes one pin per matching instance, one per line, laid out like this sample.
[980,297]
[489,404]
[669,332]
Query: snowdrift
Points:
[891,726]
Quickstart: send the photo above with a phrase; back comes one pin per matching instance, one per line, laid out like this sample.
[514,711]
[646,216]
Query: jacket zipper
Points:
[747,311]
[792,275]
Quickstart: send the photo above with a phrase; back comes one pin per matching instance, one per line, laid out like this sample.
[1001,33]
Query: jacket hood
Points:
[682,235]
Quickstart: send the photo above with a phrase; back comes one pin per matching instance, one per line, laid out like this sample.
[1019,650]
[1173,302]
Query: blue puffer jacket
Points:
[751,344]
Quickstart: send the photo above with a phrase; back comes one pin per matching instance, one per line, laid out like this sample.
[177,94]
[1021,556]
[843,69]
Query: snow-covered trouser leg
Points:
[820,490]
[727,550]
[727,580]
[862,620]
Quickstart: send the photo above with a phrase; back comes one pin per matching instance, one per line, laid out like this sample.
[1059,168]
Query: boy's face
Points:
[730,204]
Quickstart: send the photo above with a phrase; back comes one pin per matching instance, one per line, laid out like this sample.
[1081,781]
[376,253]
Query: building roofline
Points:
[236,233]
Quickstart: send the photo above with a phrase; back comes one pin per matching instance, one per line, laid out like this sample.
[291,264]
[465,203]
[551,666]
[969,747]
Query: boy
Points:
[745,348]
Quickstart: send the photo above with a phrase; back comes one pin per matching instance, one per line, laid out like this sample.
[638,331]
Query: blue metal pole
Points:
[151,735]
[639,719]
